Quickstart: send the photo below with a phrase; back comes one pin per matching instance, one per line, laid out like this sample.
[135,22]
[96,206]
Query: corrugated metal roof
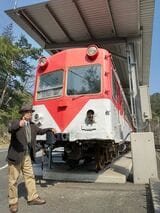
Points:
[111,24]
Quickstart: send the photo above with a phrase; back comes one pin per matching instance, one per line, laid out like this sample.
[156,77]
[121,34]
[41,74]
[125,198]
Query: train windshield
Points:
[84,80]
[50,85]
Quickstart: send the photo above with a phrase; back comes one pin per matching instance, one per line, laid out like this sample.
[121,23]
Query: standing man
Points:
[20,153]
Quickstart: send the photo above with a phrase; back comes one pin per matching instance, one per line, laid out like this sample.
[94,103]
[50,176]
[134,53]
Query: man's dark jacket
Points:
[18,144]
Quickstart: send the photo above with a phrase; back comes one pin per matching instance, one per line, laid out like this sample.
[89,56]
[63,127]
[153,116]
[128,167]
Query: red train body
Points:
[77,91]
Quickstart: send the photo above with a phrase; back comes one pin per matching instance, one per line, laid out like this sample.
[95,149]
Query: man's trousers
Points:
[13,174]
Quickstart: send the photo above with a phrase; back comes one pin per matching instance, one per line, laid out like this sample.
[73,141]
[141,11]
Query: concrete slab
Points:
[144,157]
[117,173]
[155,193]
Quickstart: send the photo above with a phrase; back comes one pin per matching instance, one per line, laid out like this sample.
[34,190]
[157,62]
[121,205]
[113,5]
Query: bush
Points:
[5,118]
[4,135]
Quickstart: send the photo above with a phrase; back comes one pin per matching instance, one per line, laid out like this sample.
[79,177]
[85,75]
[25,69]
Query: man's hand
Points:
[22,122]
[53,130]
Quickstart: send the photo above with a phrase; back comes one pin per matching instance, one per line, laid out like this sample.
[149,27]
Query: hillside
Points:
[155,123]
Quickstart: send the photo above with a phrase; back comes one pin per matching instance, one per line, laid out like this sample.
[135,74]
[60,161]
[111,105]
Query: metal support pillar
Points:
[134,87]
[142,143]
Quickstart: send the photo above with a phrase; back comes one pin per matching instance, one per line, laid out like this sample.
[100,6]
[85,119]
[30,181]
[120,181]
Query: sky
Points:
[154,82]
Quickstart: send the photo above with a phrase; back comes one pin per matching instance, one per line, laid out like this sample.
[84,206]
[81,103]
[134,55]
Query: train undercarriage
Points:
[100,152]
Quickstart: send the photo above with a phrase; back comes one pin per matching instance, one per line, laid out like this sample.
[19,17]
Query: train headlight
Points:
[92,52]
[36,117]
[43,62]
[90,117]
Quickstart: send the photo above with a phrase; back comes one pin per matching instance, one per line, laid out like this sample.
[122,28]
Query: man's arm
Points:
[13,126]
[43,131]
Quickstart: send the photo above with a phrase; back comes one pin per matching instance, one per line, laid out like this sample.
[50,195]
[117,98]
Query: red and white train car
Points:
[78,92]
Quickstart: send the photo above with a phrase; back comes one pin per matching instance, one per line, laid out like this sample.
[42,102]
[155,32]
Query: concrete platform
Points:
[116,173]
[155,193]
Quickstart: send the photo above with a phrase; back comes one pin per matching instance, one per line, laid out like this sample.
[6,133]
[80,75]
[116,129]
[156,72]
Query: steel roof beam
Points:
[124,58]
[84,21]
[111,17]
[58,21]
[34,26]
[100,43]
[81,44]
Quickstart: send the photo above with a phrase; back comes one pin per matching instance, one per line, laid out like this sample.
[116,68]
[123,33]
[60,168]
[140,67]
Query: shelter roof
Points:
[111,24]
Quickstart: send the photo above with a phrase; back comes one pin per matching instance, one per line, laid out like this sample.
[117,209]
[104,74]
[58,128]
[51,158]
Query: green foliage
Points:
[155,104]
[16,71]
[15,67]
[155,122]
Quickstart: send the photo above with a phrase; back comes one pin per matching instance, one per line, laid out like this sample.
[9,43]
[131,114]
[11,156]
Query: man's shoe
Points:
[13,208]
[37,201]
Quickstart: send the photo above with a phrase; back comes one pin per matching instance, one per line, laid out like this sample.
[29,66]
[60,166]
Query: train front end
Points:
[73,95]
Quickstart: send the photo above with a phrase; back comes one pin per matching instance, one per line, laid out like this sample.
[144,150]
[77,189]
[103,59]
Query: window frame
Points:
[80,66]
[52,88]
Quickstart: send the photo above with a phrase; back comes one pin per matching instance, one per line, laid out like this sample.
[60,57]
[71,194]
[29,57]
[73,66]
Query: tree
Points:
[155,104]
[15,66]
[155,122]
[16,72]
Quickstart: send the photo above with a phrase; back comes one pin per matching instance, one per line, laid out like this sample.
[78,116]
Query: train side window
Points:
[50,85]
